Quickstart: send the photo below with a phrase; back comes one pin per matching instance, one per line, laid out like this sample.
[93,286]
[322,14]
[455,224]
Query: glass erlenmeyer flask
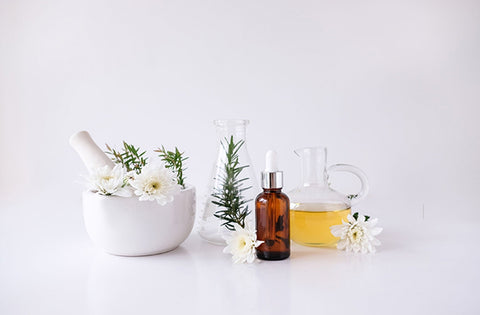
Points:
[315,206]
[210,226]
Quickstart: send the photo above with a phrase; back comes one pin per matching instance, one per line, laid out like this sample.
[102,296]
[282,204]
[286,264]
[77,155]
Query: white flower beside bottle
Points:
[241,243]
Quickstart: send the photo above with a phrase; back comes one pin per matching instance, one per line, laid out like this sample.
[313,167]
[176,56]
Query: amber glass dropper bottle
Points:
[272,214]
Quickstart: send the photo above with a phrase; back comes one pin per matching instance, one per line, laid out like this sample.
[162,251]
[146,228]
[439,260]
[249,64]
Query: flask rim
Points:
[227,122]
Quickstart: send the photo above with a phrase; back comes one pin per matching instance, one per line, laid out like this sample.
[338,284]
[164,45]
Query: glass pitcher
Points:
[210,226]
[315,206]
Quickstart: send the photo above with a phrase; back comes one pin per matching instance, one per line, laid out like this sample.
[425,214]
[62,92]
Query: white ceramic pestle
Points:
[91,155]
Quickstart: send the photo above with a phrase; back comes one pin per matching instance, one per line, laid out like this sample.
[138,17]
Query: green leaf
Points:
[355,216]
[174,160]
[229,196]
[129,157]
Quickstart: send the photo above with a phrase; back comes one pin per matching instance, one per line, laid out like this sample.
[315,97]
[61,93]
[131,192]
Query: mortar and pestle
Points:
[125,226]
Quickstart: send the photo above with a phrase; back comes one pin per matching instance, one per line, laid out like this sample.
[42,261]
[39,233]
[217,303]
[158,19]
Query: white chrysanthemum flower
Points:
[357,235]
[129,176]
[155,183]
[108,181]
[241,243]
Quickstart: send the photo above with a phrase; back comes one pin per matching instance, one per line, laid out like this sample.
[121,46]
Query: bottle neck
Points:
[272,190]
[272,180]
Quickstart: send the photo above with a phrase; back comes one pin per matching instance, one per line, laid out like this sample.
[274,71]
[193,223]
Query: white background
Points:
[392,87]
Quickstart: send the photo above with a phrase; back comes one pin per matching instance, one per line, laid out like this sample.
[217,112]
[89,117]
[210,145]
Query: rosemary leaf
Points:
[228,197]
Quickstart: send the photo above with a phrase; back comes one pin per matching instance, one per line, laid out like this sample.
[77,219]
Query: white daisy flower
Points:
[155,183]
[357,235]
[241,243]
[107,181]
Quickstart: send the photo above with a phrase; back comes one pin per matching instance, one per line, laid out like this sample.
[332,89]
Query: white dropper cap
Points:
[271,161]
[272,178]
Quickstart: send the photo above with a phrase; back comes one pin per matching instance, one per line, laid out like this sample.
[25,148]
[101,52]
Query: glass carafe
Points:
[315,206]
[210,226]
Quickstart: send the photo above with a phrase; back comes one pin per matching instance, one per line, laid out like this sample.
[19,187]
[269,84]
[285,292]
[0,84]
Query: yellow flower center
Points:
[152,187]
[354,235]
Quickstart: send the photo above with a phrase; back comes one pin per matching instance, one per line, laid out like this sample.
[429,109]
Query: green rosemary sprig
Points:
[130,157]
[174,160]
[229,197]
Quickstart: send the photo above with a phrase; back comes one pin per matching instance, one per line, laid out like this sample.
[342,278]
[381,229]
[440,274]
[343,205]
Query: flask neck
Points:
[231,127]
[313,164]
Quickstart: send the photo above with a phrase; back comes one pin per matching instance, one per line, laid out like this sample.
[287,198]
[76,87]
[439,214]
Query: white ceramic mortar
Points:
[126,226]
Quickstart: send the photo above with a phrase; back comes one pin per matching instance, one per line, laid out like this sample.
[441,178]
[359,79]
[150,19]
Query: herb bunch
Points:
[229,197]
[130,157]
[174,160]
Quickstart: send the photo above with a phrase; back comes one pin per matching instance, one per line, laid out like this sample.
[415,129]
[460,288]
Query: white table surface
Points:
[49,266]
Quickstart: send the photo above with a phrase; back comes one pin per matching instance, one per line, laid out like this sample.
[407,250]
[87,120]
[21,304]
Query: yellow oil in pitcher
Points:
[310,223]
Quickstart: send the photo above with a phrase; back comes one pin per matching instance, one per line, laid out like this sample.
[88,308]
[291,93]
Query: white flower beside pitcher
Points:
[134,207]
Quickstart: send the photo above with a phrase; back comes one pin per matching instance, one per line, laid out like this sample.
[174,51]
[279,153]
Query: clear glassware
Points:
[315,206]
[210,227]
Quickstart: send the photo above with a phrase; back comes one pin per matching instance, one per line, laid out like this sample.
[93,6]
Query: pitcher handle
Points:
[357,172]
